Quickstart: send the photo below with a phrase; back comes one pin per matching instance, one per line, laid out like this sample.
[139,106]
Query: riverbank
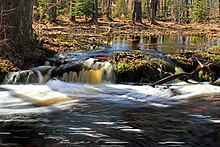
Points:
[65,35]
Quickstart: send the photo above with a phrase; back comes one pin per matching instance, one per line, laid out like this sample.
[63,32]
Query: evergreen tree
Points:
[76,7]
[88,8]
[200,11]
[41,10]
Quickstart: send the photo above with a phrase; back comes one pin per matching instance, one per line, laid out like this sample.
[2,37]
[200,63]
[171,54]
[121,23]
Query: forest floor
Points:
[52,36]
[64,34]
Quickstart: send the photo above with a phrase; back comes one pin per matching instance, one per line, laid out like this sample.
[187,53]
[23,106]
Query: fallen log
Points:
[182,76]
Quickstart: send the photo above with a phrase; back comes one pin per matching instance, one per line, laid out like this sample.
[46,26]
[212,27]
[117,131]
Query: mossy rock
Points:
[213,57]
[185,60]
[129,72]
[136,67]
[215,49]
[205,75]
[3,72]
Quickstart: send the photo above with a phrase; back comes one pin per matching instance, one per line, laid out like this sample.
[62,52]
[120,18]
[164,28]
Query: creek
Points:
[75,102]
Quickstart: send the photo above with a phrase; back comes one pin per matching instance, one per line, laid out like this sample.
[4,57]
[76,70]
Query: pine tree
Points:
[200,11]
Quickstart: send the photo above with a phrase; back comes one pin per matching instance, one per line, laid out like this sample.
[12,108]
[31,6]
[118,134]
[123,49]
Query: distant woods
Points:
[180,11]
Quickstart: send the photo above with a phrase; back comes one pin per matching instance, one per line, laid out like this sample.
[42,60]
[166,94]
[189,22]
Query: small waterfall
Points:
[38,75]
[89,71]
[21,77]
[106,68]
[41,79]
[85,76]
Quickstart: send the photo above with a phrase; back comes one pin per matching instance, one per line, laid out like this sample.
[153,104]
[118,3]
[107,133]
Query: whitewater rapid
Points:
[57,95]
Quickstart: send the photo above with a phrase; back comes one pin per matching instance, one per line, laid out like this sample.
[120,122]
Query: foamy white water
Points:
[58,95]
[25,99]
[160,96]
[186,90]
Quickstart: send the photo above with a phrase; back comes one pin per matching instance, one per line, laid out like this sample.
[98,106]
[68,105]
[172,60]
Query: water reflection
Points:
[163,43]
[153,45]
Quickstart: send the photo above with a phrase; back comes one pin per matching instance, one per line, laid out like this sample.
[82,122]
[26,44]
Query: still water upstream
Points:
[58,113]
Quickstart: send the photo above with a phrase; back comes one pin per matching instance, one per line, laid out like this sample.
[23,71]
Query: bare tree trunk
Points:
[109,9]
[129,4]
[36,2]
[52,10]
[219,7]
[16,23]
[72,17]
[137,12]
[154,10]
[187,12]
[95,15]
[165,8]
[176,12]
[104,5]
[148,11]
[151,6]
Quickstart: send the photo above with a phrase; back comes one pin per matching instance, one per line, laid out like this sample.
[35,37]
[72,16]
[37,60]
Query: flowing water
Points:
[80,105]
